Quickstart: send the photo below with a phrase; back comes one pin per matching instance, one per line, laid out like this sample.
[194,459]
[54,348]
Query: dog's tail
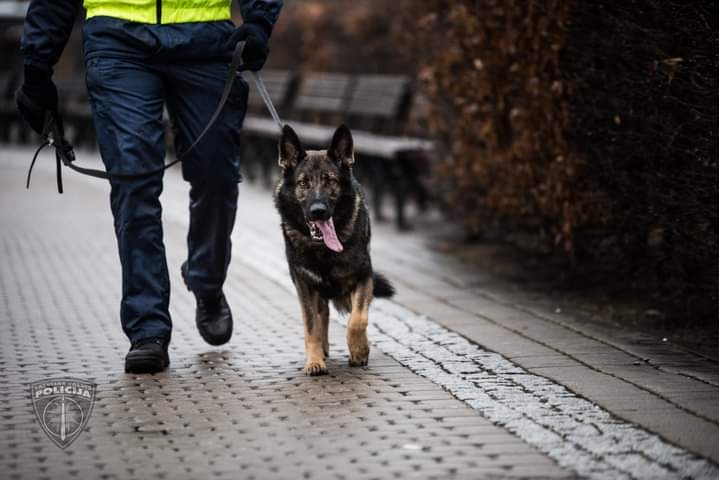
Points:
[382,287]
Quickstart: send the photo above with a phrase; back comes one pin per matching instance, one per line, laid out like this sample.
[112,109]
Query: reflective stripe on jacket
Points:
[160,11]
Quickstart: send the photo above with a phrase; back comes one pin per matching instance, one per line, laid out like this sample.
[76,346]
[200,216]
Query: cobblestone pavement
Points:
[432,403]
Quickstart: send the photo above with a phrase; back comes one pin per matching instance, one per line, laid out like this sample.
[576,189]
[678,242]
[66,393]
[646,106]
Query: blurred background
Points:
[579,139]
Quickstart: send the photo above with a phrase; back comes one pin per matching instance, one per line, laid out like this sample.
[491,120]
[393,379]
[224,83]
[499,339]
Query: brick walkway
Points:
[489,403]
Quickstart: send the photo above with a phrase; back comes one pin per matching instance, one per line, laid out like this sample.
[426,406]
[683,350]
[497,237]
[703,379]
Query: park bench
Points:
[320,100]
[281,86]
[376,107]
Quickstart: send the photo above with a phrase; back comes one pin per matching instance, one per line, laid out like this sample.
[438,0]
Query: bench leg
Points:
[400,178]
[5,130]
[375,174]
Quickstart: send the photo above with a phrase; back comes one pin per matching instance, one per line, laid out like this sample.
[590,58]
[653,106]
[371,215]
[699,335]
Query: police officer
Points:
[141,56]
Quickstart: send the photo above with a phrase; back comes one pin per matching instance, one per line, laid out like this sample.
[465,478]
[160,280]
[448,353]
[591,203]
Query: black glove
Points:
[255,35]
[37,97]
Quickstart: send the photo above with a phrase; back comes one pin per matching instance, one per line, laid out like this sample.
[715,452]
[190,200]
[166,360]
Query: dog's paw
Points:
[358,347]
[315,368]
[359,358]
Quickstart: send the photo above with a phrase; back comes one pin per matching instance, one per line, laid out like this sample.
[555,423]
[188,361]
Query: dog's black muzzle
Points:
[318,211]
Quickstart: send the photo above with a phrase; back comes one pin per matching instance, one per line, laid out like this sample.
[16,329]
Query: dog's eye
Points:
[302,183]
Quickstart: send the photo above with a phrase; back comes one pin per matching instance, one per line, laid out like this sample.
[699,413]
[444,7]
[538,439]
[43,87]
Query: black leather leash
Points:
[65,154]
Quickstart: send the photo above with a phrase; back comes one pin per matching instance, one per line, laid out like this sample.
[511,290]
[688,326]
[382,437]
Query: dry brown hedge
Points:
[498,96]
[591,126]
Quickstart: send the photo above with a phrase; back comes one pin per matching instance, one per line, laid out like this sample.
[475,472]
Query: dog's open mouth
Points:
[324,230]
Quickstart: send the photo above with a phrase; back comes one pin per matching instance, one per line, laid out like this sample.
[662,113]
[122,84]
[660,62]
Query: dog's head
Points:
[318,178]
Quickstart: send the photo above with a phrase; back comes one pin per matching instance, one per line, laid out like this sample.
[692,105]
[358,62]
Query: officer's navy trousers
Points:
[134,73]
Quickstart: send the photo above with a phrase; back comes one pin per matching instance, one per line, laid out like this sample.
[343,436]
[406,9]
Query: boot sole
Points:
[147,363]
[215,342]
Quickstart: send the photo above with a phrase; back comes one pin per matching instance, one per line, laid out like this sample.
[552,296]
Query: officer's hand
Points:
[37,96]
[255,53]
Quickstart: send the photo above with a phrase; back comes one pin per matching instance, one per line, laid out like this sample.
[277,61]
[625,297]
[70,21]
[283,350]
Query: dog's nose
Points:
[318,211]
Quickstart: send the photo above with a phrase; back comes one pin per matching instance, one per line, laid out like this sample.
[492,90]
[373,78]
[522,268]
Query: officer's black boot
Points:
[212,316]
[147,355]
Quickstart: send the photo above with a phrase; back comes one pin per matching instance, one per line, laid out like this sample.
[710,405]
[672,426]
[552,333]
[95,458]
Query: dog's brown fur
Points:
[320,274]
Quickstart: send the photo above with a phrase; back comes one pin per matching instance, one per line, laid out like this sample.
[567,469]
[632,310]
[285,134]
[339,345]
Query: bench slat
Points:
[365,142]
[379,95]
[278,84]
[323,92]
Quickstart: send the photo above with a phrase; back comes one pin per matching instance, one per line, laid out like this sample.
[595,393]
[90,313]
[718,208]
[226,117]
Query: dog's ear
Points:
[290,148]
[342,147]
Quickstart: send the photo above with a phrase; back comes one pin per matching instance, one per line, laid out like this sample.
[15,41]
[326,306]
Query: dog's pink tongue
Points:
[329,235]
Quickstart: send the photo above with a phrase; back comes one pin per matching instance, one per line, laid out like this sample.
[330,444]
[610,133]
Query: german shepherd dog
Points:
[326,228]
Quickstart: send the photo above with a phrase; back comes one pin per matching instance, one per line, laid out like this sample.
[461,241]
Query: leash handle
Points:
[34,159]
[64,153]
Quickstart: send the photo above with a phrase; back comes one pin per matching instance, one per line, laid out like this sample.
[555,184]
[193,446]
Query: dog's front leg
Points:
[314,309]
[325,318]
[357,325]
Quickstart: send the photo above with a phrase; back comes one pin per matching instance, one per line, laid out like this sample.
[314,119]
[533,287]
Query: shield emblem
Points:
[63,407]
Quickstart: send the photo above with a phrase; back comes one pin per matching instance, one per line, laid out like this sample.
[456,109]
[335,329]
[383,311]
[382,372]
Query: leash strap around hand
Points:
[65,155]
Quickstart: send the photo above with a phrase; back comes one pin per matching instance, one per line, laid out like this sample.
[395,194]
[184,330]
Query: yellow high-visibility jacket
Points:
[48,23]
[160,11]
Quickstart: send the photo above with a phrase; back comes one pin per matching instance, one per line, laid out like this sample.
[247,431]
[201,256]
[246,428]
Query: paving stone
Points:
[242,410]
[249,406]
[418,336]
[658,381]
[543,361]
